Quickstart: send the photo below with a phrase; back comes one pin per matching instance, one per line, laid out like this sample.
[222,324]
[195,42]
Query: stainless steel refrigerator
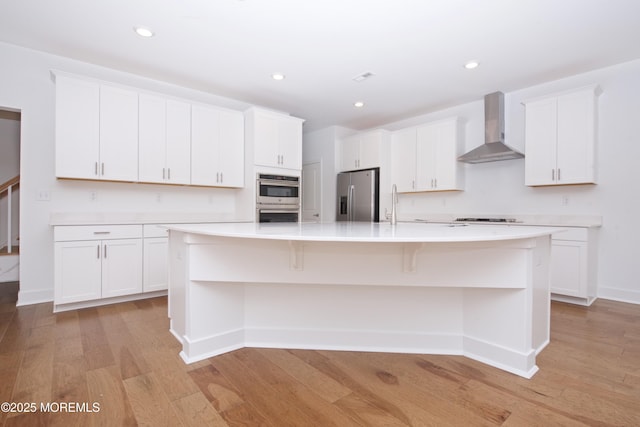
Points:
[359,196]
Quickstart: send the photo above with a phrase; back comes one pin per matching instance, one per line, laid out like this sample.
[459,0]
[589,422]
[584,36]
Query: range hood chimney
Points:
[494,148]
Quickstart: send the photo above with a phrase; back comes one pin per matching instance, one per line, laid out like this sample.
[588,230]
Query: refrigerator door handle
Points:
[350,197]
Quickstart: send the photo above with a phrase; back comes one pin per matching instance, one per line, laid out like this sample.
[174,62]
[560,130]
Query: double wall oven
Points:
[277,198]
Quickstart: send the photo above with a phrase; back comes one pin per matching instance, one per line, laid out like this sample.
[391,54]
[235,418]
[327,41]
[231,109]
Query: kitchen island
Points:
[472,290]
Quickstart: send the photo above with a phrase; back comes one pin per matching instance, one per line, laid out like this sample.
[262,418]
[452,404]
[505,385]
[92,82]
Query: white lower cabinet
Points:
[97,262]
[573,266]
[155,276]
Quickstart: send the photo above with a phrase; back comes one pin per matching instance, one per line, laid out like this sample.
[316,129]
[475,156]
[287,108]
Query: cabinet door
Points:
[77,271]
[446,155]
[290,143]
[121,267]
[568,268]
[205,135]
[266,146]
[370,144]
[403,157]
[118,134]
[231,150]
[152,139]
[427,138]
[155,264]
[77,128]
[541,121]
[350,153]
[576,133]
[178,160]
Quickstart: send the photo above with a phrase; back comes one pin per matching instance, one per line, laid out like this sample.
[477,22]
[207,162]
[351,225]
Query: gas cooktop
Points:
[486,219]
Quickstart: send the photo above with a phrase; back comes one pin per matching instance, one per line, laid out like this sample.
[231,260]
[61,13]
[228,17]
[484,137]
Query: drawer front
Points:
[575,234]
[96,232]
[152,230]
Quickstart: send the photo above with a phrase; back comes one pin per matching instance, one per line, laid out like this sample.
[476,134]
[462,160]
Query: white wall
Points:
[498,188]
[321,146]
[26,85]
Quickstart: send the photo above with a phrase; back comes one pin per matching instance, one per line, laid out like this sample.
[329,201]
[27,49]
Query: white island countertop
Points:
[366,232]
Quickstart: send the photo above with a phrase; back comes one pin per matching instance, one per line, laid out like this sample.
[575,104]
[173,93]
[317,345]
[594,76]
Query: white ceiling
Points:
[416,49]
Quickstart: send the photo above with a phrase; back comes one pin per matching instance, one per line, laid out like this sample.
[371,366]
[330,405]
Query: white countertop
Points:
[366,232]
[116,218]
[586,221]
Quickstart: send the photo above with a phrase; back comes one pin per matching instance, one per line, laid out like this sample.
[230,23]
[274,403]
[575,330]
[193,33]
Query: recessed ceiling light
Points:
[143,31]
[471,65]
[358,104]
[277,76]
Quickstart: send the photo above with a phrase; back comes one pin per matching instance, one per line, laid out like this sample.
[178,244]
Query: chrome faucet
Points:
[394,203]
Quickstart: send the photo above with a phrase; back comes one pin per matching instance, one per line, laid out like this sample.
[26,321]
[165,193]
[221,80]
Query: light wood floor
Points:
[123,357]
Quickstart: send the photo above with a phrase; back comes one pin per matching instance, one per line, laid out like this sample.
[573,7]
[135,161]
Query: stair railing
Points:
[9,186]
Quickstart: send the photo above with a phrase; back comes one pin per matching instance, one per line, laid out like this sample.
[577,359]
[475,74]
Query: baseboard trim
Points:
[510,360]
[621,295]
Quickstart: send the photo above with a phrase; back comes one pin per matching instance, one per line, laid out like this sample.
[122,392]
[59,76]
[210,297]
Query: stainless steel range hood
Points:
[494,148]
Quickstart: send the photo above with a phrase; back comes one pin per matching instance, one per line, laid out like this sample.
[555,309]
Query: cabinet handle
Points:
[558,174]
[169,174]
[435,183]
[553,174]
[98,253]
[221,177]
[101,232]
[102,168]
[95,168]
[163,173]
[217,177]
[105,251]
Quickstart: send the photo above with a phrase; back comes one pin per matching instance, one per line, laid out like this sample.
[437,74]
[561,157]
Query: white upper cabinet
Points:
[404,159]
[560,134]
[424,158]
[277,139]
[77,128]
[118,134]
[109,132]
[363,150]
[164,140]
[96,131]
[217,147]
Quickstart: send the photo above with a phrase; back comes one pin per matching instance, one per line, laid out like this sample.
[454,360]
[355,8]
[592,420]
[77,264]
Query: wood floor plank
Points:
[171,373]
[286,387]
[315,380]
[34,380]
[260,394]
[196,411]
[96,347]
[149,402]
[107,389]
[420,406]
[325,365]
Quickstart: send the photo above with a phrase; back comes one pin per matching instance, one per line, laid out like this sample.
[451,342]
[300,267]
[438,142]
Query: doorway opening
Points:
[10,122]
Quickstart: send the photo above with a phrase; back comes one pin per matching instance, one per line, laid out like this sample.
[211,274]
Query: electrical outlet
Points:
[93,195]
[43,196]
[565,200]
